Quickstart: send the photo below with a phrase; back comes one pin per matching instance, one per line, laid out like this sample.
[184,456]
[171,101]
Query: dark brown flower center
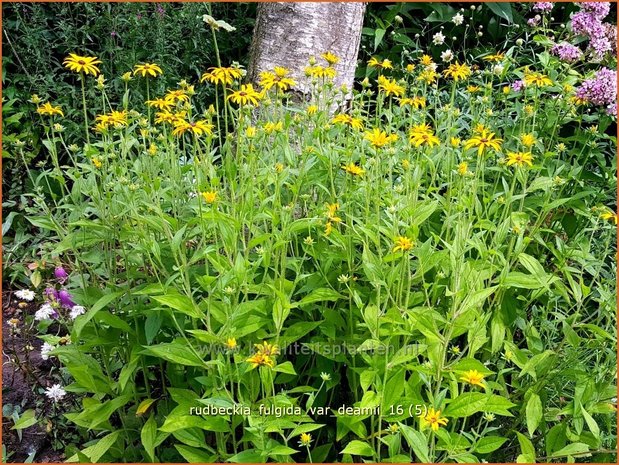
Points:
[82,62]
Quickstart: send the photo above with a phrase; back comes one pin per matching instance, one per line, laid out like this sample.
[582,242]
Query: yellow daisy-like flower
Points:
[536,79]
[379,138]
[472,89]
[330,58]
[403,244]
[222,75]
[177,95]
[332,209]
[231,343]
[463,168]
[250,131]
[455,142]
[380,64]
[391,87]
[410,68]
[152,150]
[49,110]
[495,57]
[82,64]
[165,117]
[416,102]
[261,360]
[267,349]
[422,134]
[473,377]
[246,95]
[320,72]
[328,228]
[161,103]
[527,139]
[305,439]
[277,79]
[457,71]
[519,158]
[271,127]
[209,196]
[428,76]
[97,162]
[433,419]
[348,120]
[609,215]
[147,69]
[279,167]
[312,110]
[484,140]
[426,60]
[196,128]
[354,169]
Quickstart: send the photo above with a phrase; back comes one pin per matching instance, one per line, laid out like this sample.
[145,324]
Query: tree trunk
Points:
[288,34]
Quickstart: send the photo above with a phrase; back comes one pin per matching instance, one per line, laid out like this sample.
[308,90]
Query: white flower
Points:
[438,38]
[447,56]
[498,69]
[44,313]
[25,294]
[45,350]
[55,392]
[215,24]
[76,311]
[457,19]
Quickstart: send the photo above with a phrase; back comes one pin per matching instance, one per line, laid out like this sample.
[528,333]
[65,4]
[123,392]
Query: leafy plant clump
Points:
[426,276]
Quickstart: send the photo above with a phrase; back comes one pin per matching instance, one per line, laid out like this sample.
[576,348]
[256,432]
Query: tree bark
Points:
[288,34]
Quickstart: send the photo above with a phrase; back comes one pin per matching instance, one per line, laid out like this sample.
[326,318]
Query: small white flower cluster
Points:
[25,294]
[46,348]
[76,311]
[458,19]
[438,38]
[56,392]
[45,312]
[447,56]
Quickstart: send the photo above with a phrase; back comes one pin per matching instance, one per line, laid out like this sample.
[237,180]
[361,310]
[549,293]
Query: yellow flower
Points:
[222,75]
[463,168]
[328,228]
[276,79]
[506,90]
[527,139]
[433,419]
[519,158]
[209,196]
[496,57]
[312,109]
[96,162]
[416,101]
[160,103]
[609,215]
[250,131]
[178,95]
[197,128]
[305,439]
[116,119]
[332,209]
[391,87]
[273,127]
[529,109]
[403,244]
[246,95]
[165,117]
[147,69]
[457,71]
[483,140]
[406,164]
[48,109]
[231,343]
[152,150]
[348,120]
[455,142]
[428,76]
[536,79]
[426,60]
[126,77]
[380,64]
[320,72]
[261,360]
[82,64]
[354,169]
[279,167]
[410,67]
[472,89]
[473,377]
[379,138]
[422,134]
[267,349]
[330,58]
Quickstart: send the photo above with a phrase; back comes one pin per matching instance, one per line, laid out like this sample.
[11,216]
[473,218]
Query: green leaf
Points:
[522,281]
[591,423]
[504,10]
[175,352]
[321,294]
[144,406]
[193,455]
[417,441]
[470,403]
[180,302]
[534,413]
[247,456]
[358,448]
[378,37]
[528,451]
[282,450]
[489,444]
[104,301]
[571,449]
[467,364]
[285,367]
[94,453]
[173,424]
[148,436]
[27,419]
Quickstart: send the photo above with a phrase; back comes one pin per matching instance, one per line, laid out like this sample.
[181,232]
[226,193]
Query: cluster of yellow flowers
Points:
[264,356]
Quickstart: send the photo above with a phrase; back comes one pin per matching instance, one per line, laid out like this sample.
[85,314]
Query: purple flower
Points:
[599,9]
[566,52]
[612,109]
[533,21]
[543,7]
[66,299]
[586,24]
[60,274]
[600,90]
[51,293]
[518,85]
